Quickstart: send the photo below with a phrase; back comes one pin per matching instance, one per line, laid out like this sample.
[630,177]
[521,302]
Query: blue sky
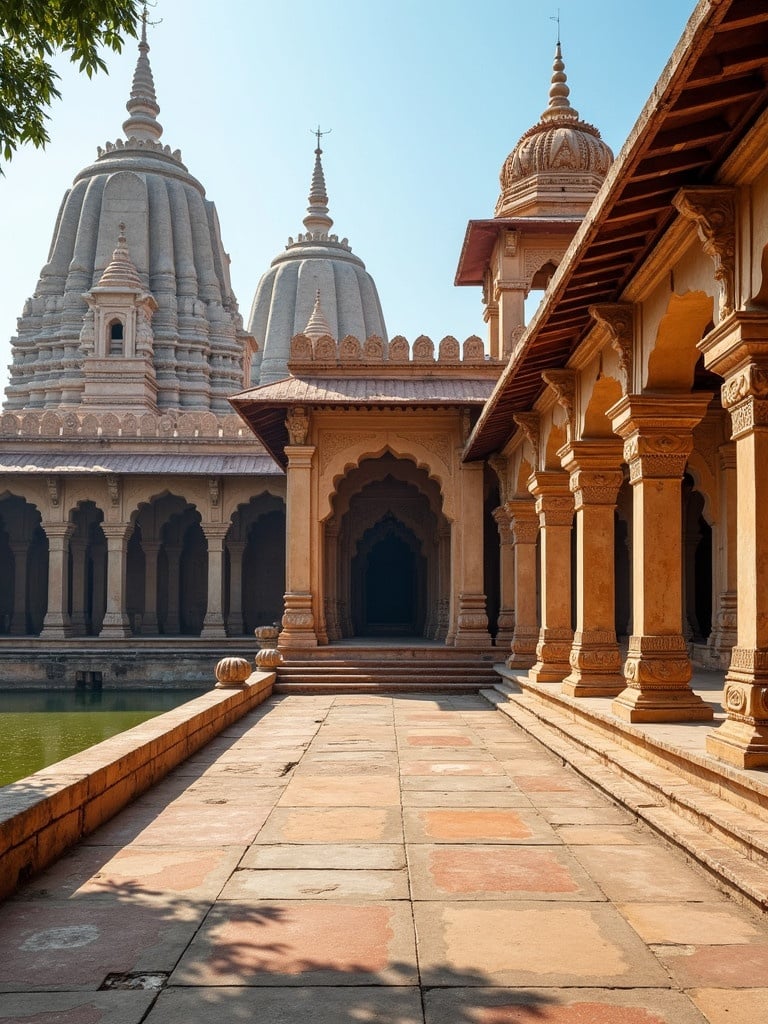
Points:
[425,98]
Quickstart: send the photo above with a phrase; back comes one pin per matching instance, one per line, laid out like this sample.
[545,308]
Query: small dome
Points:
[316,264]
[560,147]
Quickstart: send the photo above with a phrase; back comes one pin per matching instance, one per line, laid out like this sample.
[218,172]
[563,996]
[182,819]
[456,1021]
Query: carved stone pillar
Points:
[471,620]
[298,618]
[173,613]
[723,637]
[444,585]
[19,619]
[213,623]
[738,350]
[77,550]
[151,549]
[56,625]
[115,624]
[525,531]
[554,507]
[506,623]
[235,624]
[332,623]
[658,438]
[595,479]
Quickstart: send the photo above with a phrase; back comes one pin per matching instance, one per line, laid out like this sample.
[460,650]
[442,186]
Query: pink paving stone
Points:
[437,740]
[441,871]
[450,768]
[734,966]
[302,943]
[473,824]
[725,1006]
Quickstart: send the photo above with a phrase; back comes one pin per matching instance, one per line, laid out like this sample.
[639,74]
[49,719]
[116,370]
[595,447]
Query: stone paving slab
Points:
[316,884]
[306,1005]
[545,1006]
[726,1006]
[333,825]
[477,825]
[347,856]
[76,1008]
[302,943]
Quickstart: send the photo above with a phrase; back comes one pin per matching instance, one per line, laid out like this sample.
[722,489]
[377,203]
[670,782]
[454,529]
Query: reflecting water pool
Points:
[40,727]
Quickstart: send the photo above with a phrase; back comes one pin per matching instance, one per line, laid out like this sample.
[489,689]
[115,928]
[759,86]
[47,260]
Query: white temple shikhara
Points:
[579,497]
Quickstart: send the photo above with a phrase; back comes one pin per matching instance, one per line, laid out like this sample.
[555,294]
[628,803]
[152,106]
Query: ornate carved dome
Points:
[559,162]
[315,268]
[200,351]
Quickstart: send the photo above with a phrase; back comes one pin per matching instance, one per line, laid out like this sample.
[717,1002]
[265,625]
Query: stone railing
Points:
[126,425]
[309,352]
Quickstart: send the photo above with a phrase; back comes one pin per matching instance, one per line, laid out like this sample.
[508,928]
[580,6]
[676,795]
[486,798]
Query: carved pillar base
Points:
[115,626]
[723,638]
[506,628]
[524,642]
[472,622]
[298,622]
[742,740]
[552,654]
[657,672]
[595,665]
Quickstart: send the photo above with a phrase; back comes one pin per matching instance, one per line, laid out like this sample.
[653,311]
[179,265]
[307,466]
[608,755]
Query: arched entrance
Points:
[23,566]
[387,554]
[255,565]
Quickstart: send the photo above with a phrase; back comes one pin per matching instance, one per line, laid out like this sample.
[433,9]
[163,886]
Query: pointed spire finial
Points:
[142,105]
[559,108]
[317,325]
[317,220]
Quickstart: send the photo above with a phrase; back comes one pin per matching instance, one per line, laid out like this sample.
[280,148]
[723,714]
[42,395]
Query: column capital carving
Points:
[503,519]
[618,319]
[713,211]
[299,455]
[595,471]
[215,531]
[563,384]
[658,432]
[554,501]
[530,424]
[525,521]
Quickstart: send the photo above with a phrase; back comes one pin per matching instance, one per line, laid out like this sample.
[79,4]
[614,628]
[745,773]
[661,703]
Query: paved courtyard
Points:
[340,859]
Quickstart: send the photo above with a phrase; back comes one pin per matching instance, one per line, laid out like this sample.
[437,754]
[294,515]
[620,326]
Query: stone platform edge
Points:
[44,814]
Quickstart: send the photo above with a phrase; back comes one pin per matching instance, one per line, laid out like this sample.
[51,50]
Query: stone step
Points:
[728,839]
[308,675]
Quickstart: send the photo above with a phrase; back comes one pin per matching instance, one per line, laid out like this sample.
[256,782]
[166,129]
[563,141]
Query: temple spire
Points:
[317,325]
[317,220]
[559,108]
[143,108]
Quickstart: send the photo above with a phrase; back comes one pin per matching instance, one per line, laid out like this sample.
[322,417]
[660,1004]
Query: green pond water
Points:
[40,727]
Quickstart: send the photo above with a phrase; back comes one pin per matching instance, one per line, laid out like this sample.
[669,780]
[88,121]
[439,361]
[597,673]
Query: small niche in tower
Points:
[115,329]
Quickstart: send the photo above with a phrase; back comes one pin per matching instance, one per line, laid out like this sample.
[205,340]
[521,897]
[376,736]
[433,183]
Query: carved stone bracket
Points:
[214,490]
[54,490]
[713,210]
[297,424]
[563,383]
[618,318]
[530,424]
[113,489]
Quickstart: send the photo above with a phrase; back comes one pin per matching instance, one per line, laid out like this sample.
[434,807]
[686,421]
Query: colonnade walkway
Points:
[397,859]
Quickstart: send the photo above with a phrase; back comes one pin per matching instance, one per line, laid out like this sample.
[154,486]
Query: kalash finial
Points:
[143,108]
[317,221]
[559,108]
[317,325]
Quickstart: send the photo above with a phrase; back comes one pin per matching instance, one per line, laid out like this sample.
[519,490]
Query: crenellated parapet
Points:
[129,426]
[324,355]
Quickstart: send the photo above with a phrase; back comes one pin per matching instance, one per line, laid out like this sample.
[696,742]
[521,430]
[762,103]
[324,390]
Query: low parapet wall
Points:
[44,814]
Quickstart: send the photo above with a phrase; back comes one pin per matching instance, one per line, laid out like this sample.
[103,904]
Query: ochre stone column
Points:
[298,618]
[56,625]
[78,549]
[151,549]
[115,624]
[554,506]
[213,623]
[506,623]
[235,624]
[173,613]
[525,531]
[471,620]
[19,620]
[738,350]
[658,438]
[595,479]
[723,637]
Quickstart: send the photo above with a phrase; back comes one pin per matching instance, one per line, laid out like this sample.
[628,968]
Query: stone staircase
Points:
[716,815]
[380,668]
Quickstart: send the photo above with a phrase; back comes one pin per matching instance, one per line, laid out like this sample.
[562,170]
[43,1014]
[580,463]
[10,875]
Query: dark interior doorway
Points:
[388,581]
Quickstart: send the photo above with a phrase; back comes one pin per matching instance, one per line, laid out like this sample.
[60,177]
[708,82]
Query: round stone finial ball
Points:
[268,658]
[232,671]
